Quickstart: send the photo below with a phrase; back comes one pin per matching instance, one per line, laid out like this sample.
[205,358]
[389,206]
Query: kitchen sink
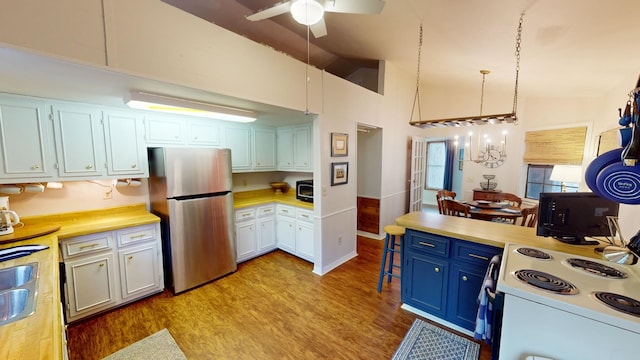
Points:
[18,288]
[16,276]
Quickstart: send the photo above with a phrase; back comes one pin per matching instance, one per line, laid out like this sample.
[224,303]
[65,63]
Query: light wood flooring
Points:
[273,307]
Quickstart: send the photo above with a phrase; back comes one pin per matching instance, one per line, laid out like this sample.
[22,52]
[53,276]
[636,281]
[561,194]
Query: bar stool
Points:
[392,244]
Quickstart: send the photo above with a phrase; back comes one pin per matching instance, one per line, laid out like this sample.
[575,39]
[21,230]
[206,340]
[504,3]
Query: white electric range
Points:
[553,306]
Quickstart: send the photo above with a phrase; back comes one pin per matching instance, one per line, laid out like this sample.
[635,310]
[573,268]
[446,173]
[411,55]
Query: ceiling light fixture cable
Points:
[481,119]
[306,85]
[416,97]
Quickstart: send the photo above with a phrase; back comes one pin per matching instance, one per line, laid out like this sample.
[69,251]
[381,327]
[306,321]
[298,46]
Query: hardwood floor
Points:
[273,307]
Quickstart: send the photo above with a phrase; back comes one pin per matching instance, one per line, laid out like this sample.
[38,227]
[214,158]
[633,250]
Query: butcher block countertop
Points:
[264,196]
[39,336]
[488,233]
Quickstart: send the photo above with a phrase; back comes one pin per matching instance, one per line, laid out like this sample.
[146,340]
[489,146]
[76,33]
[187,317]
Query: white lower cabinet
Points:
[108,269]
[294,231]
[255,231]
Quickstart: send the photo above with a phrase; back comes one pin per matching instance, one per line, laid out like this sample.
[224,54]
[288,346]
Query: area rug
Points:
[427,342]
[158,346]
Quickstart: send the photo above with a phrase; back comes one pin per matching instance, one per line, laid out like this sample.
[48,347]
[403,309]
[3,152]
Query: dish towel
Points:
[484,319]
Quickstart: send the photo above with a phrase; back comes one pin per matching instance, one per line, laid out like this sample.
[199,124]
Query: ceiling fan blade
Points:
[319,29]
[354,6]
[277,9]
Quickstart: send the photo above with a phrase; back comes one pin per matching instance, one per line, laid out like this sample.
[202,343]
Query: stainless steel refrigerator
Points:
[190,190]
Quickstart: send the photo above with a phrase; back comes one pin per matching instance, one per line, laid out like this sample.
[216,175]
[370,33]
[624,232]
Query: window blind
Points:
[557,146]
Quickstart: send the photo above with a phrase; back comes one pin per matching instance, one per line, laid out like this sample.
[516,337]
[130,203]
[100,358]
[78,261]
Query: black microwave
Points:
[304,190]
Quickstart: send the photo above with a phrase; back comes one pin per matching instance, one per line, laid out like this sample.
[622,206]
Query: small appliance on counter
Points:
[8,218]
[304,190]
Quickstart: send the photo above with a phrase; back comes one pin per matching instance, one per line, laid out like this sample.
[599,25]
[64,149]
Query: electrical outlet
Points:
[108,194]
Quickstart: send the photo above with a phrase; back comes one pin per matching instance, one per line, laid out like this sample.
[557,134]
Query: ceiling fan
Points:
[310,12]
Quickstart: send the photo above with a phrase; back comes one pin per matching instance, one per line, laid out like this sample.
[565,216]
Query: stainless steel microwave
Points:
[304,190]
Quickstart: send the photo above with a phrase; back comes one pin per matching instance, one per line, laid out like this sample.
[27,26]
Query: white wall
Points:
[369,153]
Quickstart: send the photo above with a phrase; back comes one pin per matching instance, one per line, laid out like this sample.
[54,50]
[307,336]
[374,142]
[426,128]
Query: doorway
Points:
[369,186]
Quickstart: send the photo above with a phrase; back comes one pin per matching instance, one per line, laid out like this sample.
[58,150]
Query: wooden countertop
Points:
[488,233]
[39,336]
[264,196]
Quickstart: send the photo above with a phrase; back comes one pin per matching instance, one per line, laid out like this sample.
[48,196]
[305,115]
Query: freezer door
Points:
[191,171]
[202,240]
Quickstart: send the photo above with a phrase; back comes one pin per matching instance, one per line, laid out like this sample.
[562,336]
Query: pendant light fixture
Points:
[480,119]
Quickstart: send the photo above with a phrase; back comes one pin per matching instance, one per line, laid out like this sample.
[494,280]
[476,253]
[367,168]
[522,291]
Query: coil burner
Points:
[546,282]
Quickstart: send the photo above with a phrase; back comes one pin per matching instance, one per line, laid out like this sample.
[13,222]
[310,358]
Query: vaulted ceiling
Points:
[576,48]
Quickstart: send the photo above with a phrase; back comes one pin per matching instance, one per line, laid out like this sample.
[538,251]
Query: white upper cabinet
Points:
[126,148]
[25,140]
[264,148]
[164,130]
[79,140]
[295,148]
[238,139]
[204,132]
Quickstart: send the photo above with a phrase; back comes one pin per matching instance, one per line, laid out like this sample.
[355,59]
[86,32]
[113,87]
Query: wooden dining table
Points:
[490,211]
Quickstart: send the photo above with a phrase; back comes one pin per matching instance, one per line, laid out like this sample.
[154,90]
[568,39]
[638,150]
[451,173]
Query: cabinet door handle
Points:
[89,167]
[133,166]
[101,265]
[130,257]
[479,257]
[35,167]
[436,269]
[464,278]
[138,236]
[88,246]
[426,244]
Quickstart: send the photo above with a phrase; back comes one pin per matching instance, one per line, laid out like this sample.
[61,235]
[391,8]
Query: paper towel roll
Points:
[135,182]
[54,185]
[33,188]
[10,189]
[122,182]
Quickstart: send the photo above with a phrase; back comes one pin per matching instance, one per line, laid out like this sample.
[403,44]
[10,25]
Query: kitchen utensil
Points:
[617,254]
[8,218]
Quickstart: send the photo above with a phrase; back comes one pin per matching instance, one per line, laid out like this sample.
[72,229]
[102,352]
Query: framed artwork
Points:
[339,173]
[460,159]
[339,144]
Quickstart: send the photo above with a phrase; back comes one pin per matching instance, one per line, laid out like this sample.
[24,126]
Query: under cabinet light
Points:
[172,105]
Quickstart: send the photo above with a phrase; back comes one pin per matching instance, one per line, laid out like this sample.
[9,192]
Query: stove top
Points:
[592,288]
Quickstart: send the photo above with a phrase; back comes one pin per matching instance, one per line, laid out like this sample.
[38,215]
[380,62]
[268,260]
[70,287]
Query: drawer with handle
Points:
[136,234]
[245,214]
[427,243]
[86,244]
[473,253]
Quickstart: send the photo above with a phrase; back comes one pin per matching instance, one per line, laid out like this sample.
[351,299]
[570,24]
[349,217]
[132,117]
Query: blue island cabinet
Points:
[442,276]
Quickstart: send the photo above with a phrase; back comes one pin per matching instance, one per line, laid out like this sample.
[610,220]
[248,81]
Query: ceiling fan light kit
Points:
[307,12]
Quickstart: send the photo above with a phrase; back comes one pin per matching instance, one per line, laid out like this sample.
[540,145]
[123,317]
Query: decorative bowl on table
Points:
[279,187]
[488,185]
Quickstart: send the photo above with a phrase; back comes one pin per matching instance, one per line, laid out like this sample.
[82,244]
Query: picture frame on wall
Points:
[339,144]
[339,173]
[460,159]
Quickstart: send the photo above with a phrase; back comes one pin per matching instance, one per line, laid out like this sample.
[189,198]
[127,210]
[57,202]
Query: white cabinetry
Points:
[204,132]
[164,130]
[304,234]
[108,269]
[295,231]
[79,140]
[255,231]
[264,148]
[238,139]
[126,149]
[294,148]
[26,140]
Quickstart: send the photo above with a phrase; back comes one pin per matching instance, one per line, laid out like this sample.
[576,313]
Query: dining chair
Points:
[529,216]
[454,208]
[444,194]
[513,199]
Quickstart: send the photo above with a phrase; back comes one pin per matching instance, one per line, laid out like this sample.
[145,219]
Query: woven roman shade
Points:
[608,141]
[557,146]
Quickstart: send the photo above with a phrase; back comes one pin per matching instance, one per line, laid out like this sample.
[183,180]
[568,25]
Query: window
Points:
[436,161]
[538,181]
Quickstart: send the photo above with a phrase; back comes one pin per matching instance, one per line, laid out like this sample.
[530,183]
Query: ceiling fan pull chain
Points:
[518,49]
[416,97]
